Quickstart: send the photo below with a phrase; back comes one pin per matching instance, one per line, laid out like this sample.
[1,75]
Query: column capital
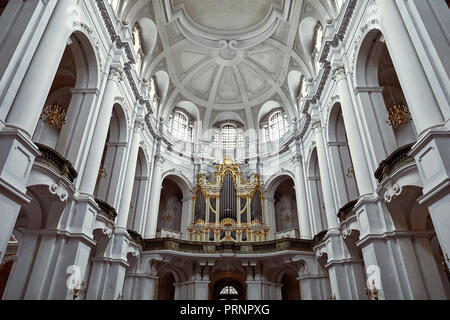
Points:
[316,124]
[159,159]
[338,72]
[297,159]
[115,74]
[139,125]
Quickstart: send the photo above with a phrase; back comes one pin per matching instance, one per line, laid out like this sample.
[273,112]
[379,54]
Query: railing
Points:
[319,237]
[136,237]
[346,210]
[106,210]
[395,160]
[54,159]
[227,247]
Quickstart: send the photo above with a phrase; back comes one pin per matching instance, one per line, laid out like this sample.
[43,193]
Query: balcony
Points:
[106,210]
[395,161]
[227,247]
[398,171]
[53,159]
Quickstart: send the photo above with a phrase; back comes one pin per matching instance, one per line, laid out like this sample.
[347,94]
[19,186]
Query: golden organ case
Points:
[229,208]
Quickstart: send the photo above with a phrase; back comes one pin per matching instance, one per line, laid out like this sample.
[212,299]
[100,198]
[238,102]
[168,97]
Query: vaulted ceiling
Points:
[228,57]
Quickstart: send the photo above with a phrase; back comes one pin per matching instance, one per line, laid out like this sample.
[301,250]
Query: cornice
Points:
[125,46]
[337,39]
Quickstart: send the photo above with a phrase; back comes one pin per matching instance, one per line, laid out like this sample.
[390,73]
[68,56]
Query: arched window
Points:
[179,126]
[278,125]
[229,290]
[228,137]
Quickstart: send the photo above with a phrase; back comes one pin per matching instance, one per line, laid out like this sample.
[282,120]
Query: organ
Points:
[228,208]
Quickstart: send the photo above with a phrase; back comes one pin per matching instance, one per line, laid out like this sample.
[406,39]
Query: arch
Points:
[341,163]
[166,286]
[189,107]
[318,214]
[274,181]
[182,182]
[114,154]
[374,69]
[286,216]
[173,214]
[139,197]
[86,58]
[74,90]
[227,116]
[290,289]
[118,125]
[222,278]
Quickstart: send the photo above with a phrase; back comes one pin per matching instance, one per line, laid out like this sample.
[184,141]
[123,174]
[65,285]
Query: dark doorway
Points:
[290,289]
[166,287]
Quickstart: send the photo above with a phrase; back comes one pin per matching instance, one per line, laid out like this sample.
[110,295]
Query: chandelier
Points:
[54,115]
[399,115]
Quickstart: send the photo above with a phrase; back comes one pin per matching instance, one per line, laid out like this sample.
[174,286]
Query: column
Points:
[152,219]
[124,209]
[432,150]
[94,157]
[330,209]
[26,109]
[314,287]
[185,217]
[415,85]
[357,152]
[302,202]
[201,289]
[270,215]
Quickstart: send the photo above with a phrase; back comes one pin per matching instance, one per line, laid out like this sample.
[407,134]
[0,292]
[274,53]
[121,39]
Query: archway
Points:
[418,249]
[170,210]
[139,196]
[68,107]
[114,153]
[318,214]
[290,289]
[341,159]
[385,111]
[286,217]
[166,287]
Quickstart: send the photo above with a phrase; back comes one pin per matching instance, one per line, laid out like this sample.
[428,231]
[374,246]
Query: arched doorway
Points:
[228,289]
[166,287]
[290,289]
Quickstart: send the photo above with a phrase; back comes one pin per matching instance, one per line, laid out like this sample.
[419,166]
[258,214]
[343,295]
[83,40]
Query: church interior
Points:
[224,150]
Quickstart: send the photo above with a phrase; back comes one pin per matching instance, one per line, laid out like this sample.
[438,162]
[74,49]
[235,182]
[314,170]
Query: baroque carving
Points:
[392,191]
[58,191]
